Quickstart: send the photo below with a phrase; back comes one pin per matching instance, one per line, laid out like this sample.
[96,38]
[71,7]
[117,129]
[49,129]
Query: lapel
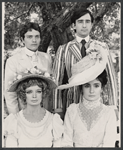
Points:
[74,48]
[24,60]
[42,63]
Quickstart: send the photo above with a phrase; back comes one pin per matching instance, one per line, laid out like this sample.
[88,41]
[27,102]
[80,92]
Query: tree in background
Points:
[54,19]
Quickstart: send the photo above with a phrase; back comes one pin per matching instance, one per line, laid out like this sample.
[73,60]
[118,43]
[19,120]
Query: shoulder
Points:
[56,118]
[43,54]
[109,110]
[72,109]
[10,117]
[16,55]
[67,44]
[72,106]
[17,50]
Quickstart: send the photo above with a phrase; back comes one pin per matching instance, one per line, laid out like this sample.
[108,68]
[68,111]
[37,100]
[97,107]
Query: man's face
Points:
[32,39]
[83,26]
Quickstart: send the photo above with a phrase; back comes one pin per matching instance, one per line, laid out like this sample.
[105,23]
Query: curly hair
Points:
[28,27]
[21,89]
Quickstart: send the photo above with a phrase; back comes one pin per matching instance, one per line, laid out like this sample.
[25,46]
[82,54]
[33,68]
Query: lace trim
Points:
[91,104]
[47,123]
[33,124]
[37,122]
[90,116]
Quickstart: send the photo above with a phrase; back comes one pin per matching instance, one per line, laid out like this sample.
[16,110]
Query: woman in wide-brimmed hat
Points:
[33,126]
[89,123]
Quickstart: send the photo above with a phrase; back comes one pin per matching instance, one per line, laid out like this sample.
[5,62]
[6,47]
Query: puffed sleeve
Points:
[110,130]
[57,130]
[67,140]
[10,131]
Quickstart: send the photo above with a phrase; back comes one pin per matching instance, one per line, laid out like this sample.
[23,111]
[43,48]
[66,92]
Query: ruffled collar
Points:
[91,104]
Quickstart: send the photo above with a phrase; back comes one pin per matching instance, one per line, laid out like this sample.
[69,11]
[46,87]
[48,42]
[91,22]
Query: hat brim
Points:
[88,74]
[85,76]
[51,83]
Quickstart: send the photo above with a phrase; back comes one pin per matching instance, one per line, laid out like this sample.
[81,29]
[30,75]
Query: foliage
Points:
[54,19]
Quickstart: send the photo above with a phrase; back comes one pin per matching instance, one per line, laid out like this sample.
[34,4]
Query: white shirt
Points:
[32,55]
[29,52]
[79,39]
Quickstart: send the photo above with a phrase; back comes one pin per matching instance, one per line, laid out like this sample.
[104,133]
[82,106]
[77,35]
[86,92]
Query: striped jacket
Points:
[66,56]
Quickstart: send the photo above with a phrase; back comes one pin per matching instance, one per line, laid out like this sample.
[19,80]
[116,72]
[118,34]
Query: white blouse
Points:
[87,129]
[21,133]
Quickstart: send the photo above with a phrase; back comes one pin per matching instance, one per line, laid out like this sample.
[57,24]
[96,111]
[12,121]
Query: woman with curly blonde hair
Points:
[33,126]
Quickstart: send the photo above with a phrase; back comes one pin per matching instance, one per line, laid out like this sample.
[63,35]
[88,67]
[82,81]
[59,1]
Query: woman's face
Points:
[32,40]
[92,90]
[34,95]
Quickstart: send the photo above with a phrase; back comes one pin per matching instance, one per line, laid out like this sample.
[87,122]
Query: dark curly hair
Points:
[21,89]
[28,27]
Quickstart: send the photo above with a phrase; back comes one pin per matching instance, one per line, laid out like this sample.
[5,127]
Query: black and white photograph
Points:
[61,74]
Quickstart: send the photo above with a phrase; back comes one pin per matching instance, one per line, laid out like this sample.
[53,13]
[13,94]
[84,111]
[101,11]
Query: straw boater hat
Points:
[89,67]
[31,74]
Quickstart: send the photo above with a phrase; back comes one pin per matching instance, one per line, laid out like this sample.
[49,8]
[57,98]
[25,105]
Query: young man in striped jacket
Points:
[71,53]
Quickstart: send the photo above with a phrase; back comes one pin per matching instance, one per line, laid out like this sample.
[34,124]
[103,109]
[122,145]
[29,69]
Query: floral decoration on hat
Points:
[94,50]
[32,72]
[90,66]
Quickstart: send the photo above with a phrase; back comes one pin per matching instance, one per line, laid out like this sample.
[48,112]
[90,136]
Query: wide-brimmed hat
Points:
[32,74]
[89,67]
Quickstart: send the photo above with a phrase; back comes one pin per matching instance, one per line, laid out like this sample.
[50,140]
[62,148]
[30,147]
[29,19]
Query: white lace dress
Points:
[89,125]
[21,133]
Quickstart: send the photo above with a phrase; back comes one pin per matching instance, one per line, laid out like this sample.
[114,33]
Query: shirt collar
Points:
[79,39]
[30,53]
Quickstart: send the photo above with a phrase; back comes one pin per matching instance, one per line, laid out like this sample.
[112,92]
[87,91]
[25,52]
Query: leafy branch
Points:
[25,13]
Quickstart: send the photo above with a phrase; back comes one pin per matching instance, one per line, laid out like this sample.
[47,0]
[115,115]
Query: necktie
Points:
[83,52]
[34,59]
